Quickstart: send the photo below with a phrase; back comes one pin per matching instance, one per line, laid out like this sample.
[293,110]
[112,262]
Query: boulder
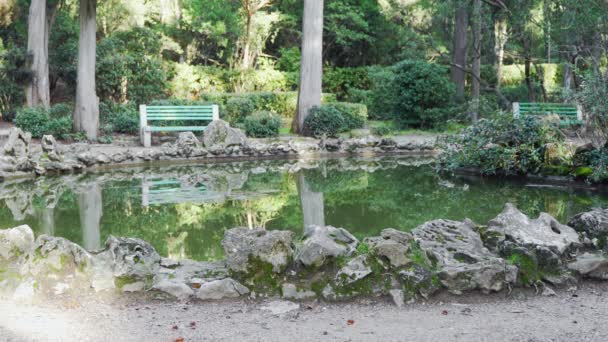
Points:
[222,288]
[355,270]
[324,242]
[49,147]
[397,297]
[174,288]
[291,291]
[187,144]
[242,246]
[129,259]
[18,143]
[220,134]
[545,231]
[15,243]
[392,246]
[593,223]
[463,262]
[280,307]
[56,255]
[559,153]
[591,265]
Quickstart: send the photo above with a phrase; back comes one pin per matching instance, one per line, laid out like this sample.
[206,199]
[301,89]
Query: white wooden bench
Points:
[173,113]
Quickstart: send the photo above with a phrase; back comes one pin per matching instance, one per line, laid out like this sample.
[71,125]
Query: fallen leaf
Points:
[174,327]
[192,324]
[350,322]
[179,339]
[196,285]
[444,312]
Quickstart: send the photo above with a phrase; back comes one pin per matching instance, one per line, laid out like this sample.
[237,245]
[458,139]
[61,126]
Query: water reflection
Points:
[184,210]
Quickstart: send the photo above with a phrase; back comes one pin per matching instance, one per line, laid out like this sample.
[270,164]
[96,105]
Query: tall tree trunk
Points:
[459,53]
[38,91]
[86,114]
[311,66]
[500,37]
[528,66]
[246,64]
[476,83]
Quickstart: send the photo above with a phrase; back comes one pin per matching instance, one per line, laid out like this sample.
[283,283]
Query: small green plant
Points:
[324,121]
[262,124]
[237,109]
[354,114]
[38,121]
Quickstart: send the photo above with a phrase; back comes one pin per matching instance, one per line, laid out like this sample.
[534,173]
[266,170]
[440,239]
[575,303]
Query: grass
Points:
[451,128]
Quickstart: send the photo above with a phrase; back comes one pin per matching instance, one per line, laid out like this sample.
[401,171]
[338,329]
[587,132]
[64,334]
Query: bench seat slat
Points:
[180,118]
[175,128]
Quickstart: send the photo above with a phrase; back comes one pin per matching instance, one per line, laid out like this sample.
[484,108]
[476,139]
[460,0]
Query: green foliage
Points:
[422,93]
[324,121]
[119,118]
[354,114]
[340,81]
[38,121]
[237,109]
[13,75]
[262,124]
[498,146]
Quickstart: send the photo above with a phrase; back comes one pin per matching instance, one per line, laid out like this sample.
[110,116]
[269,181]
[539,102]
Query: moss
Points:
[120,282]
[260,276]
[362,248]
[583,171]
[529,273]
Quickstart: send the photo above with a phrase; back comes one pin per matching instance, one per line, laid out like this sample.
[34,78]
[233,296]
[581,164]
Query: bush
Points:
[340,81]
[61,110]
[422,93]
[354,114]
[237,108]
[119,118]
[38,121]
[499,146]
[262,124]
[324,120]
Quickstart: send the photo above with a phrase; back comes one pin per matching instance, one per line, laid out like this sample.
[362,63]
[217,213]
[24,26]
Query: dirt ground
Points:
[571,315]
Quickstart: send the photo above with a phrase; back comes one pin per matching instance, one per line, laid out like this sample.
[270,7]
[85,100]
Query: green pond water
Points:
[184,210]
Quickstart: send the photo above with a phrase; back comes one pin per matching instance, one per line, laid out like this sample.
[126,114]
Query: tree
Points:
[311,65]
[86,113]
[476,82]
[250,8]
[459,52]
[40,20]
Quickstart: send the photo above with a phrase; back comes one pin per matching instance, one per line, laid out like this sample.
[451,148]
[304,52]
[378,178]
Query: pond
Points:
[183,210]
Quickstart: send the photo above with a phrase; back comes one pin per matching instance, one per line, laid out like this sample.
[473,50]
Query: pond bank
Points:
[571,315]
[21,157]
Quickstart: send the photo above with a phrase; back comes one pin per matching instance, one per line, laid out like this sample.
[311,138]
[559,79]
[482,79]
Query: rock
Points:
[548,292]
[176,289]
[514,226]
[593,223]
[280,307]
[134,287]
[223,288]
[464,262]
[355,270]
[187,144]
[130,259]
[243,245]
[169,263]
[591,265]
[392,246]
[324,242]
[56,255]
[18,143]
[290,291]
[397,296]
[420,280]
[49,147]
[15,242]
[25,291]
[219,133]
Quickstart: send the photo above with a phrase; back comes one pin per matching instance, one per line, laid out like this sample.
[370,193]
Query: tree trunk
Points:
[246,64]
[500,37]
[459,54]
[527,67]
[38,91]
[311,66]
[313,209]
[86,114]
[476,83]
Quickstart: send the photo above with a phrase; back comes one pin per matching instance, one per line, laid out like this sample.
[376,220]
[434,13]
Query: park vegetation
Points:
[79,69]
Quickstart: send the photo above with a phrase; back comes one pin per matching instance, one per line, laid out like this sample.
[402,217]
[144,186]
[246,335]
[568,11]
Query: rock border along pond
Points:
[22,158]
[327,263]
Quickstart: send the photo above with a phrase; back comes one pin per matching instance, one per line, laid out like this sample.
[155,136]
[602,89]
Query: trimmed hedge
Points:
[262,124]
[354,114]
[324,121]
[38,121]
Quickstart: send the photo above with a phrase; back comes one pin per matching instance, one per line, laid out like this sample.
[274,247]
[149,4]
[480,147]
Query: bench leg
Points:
[146,138]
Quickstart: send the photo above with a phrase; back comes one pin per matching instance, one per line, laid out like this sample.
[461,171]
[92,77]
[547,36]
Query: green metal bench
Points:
[173,113]
[569,114]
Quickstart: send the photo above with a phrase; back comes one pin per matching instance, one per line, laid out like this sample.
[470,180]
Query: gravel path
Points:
[568,316]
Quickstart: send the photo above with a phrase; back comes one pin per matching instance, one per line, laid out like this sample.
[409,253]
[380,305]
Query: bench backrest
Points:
[179,113]
[568,113]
